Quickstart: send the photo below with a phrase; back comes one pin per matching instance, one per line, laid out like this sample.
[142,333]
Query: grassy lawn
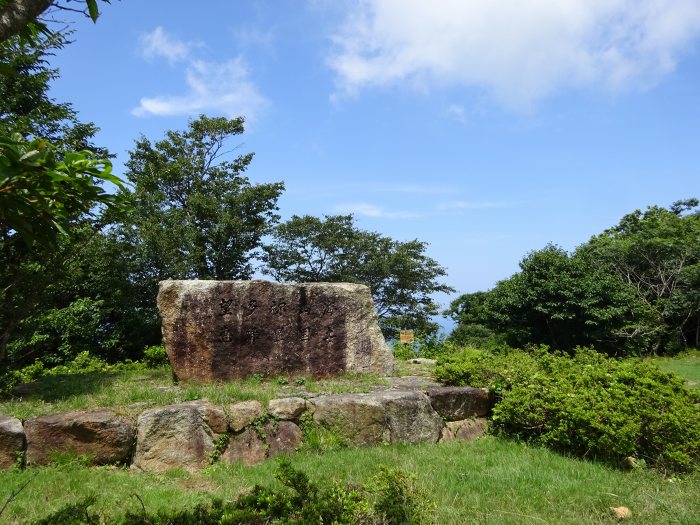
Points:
[686,365]
[131,392]
[489,481]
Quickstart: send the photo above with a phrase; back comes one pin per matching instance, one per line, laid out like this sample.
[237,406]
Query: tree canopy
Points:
[633,289]
[402,278]
[195,213]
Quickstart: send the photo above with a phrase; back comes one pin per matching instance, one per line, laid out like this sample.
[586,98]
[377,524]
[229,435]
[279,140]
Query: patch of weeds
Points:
[282,381]
[70,458]
[259,424]
[389,498]
[219,448]
[317,438]
[300,381]
[191,394]
[73,513]
[20,459]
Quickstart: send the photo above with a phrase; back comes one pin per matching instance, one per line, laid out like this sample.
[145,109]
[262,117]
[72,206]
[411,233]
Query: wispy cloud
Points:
[457,112]
[211,87]
[520,51]
[417,189]
[470,205]
[159,44]
[370,210]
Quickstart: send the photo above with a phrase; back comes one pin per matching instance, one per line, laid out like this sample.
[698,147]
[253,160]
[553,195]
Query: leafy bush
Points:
[390,497]
[155,356]
[83,363]
[586,404]
[430,347]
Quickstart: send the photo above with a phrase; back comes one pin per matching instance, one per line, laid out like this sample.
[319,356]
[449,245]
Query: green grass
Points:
[130,392]
[686,365]
[489,481]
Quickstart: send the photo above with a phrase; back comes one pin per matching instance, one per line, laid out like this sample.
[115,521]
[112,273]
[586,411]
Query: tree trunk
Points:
[16,14]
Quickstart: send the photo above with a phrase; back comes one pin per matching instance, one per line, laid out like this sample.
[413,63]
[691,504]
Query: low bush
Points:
[430,347]
[389,498]
[586,404]
[155,356]
[83,363]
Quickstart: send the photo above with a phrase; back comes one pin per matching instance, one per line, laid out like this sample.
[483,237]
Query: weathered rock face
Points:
[11,441]
[99,434]
[465,430]
[456,403]
[242,414]
[287,407]
[252,446]
[175,436]
[380,417]
[220,330]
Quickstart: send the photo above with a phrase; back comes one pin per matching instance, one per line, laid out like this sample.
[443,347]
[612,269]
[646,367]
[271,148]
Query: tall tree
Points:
[195,213]
[657,254]
[46,190]
[401,277]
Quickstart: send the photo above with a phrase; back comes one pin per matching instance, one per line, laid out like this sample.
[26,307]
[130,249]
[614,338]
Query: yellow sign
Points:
[406,336]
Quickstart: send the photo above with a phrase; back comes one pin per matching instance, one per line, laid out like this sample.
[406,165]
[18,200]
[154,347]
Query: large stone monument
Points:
[220,330]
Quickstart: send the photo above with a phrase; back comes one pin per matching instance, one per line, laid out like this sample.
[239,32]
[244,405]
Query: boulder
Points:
[410,418]
[287,407]
[246,447]
[176,436]
[252,446]
[455,403]
[12,441]
[221,330]
[465,430]
[101,435]
[359,418]
[282,436]
[380,417]
[242,414]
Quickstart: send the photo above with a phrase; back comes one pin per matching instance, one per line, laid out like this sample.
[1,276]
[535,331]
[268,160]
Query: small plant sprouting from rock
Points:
[219,448]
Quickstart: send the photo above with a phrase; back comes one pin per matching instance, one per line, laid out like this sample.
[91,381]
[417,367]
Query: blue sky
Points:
[486,128]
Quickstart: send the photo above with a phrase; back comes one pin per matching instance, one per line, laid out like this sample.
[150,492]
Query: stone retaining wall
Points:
[191,435]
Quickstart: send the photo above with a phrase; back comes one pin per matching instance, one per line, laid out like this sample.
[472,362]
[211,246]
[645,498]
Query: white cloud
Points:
[371,210]
[213,87]
[518,50]
[158,43]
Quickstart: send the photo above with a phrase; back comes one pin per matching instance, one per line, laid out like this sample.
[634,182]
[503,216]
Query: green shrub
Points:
[586,404]
[404,351]
[83,363]
[155,356]
[389,498]
[430,347]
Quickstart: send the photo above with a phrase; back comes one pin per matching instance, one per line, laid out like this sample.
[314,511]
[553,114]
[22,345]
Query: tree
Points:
[399,274]
[656,253]
[46,190]
[560,300]
[195,214]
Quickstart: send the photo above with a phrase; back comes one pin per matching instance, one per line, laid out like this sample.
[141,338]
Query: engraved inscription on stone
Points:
[218,330]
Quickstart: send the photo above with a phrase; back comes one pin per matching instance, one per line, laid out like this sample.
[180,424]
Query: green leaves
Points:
[40,195]
[586,404]
[93,11]
[399,274]
[195,215]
